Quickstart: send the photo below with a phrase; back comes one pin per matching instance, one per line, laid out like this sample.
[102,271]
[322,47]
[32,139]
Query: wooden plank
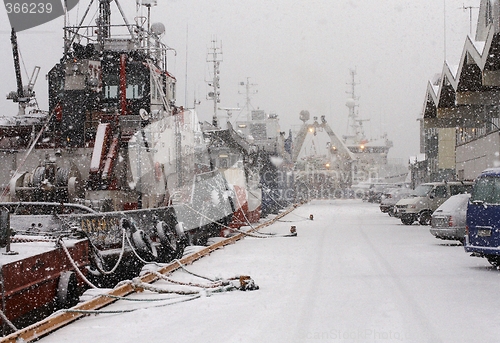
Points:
[50,324]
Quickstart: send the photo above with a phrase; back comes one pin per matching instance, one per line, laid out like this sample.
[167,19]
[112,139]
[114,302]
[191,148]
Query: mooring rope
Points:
[73,263]
[262,235]
[268,191]
[98,265]
[190,272]
[72,310]
[7,321]
[215,284]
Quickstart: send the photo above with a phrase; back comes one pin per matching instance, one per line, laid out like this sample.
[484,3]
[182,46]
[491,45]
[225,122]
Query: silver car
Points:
[448,221]
[391,197]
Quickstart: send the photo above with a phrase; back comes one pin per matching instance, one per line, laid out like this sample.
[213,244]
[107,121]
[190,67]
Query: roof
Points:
[458,94]
[490,171]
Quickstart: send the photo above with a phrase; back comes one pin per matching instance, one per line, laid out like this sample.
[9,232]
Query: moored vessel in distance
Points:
[237,159]
[370,154]
[348,165]
[320,171]
[231,154]
[273,160]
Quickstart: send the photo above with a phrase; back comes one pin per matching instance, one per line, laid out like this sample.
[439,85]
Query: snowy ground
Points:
[351,275]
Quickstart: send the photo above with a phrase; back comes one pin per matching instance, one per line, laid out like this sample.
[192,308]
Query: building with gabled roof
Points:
[460,117]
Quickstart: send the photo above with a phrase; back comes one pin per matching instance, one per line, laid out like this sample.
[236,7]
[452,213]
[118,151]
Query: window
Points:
[460,189]
[111,92]
[422,190]
[135,86]
[440,192]
[489,13]
[111,83]
[487,190]
[135,91]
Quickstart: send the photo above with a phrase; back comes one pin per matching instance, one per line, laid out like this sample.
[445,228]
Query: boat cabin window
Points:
[111,83]
[136,86]
[135,91]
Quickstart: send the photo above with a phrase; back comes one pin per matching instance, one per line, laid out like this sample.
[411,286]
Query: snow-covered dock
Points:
[352,274]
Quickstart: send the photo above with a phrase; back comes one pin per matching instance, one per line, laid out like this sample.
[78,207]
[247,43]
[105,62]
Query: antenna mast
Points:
[215,56]
[470,8]
[248,104]
[355,123]
[352,102]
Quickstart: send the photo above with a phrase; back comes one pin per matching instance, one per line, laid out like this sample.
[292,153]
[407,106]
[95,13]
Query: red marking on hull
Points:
[123,84]
[243,216]
[239,216]
[130,206]
[254,216]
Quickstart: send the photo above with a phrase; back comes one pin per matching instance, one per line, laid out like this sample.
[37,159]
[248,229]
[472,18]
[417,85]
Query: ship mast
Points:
[357,132]
[103,22]
[214,56]
[248,104]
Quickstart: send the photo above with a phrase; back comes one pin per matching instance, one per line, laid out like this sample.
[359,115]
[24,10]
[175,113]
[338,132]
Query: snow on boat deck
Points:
[351,275]
[28,246]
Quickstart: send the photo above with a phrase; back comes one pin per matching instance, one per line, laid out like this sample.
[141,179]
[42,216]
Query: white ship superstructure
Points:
[370,154]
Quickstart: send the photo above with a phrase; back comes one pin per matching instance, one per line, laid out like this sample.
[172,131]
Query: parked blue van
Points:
[483,217]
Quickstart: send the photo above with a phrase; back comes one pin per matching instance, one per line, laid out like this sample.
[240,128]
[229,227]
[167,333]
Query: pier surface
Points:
[353,274]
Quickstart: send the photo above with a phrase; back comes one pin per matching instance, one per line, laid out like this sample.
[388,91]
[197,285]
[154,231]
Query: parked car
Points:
[376,191]
[448,220]
[370,190]
[391,197]
[426,198]
[483,217]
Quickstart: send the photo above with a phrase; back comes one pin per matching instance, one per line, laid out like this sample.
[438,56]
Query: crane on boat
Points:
[320,176]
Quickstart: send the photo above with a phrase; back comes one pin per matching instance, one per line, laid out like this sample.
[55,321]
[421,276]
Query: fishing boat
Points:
[114,165]
[320,170]
[232,154]
[273,159]
[236,158]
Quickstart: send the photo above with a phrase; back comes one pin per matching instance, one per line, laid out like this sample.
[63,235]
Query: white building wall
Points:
[475,156]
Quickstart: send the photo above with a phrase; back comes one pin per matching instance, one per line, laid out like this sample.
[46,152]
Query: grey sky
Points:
[298,52]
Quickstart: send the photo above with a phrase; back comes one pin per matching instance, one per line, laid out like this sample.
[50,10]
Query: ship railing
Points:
[142,39]
[91,31]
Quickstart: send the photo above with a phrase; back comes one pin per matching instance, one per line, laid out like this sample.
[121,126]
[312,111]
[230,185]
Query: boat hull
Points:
[32,284]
